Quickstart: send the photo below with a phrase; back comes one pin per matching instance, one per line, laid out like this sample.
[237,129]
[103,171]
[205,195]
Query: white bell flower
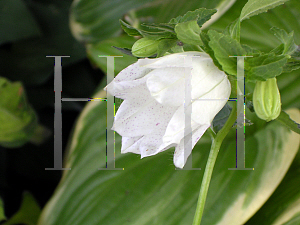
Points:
[151,118]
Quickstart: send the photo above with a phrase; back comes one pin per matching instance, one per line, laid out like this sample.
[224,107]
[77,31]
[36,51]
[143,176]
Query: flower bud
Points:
[266,99]
[144,47]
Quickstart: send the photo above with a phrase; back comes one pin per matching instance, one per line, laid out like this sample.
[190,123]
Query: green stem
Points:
[216,144]
[285,119]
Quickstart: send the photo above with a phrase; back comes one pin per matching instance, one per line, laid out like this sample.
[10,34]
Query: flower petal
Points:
[127,80]
[181,154]
[153,144]
[205,77]
[175,129]
[205,108]
[131,144]
[166,85]
[203,112]
[173,60]
[131,72]
[150,145]
[141,115]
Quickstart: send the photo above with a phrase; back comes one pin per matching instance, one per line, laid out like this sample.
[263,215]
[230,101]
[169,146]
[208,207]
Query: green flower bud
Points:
[144,47]
[266,99]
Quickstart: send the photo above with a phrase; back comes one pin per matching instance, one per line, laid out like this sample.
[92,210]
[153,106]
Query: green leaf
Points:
[221,118]
[94,20]
[126,51]
[105,48]
[160,26]
[2,215]
[249,102]
[225,46]
[255,32]
[288,84]
[131,31]
[206,47]
[18,121]
[165,45]
[287,39]
[294,220]
[255,7]
[285,119]
[200,15]
[288,47]
[278,50]
[263,139]
[234,30]
[283,206]
[162,11]
[292,64]
[17,22]
[150,191]
[26,61]
[28,213]
[264,67]
[251,51]
[156,35]
[189,32]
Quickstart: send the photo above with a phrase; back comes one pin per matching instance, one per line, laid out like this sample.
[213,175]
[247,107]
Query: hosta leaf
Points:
[237,212]
[17,22]
[26,61]
[283,207]
[294,220]
[106,48]
[150,191]
[94,20]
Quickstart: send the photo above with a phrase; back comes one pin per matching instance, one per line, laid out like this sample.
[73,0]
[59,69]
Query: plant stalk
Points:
[214,150]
